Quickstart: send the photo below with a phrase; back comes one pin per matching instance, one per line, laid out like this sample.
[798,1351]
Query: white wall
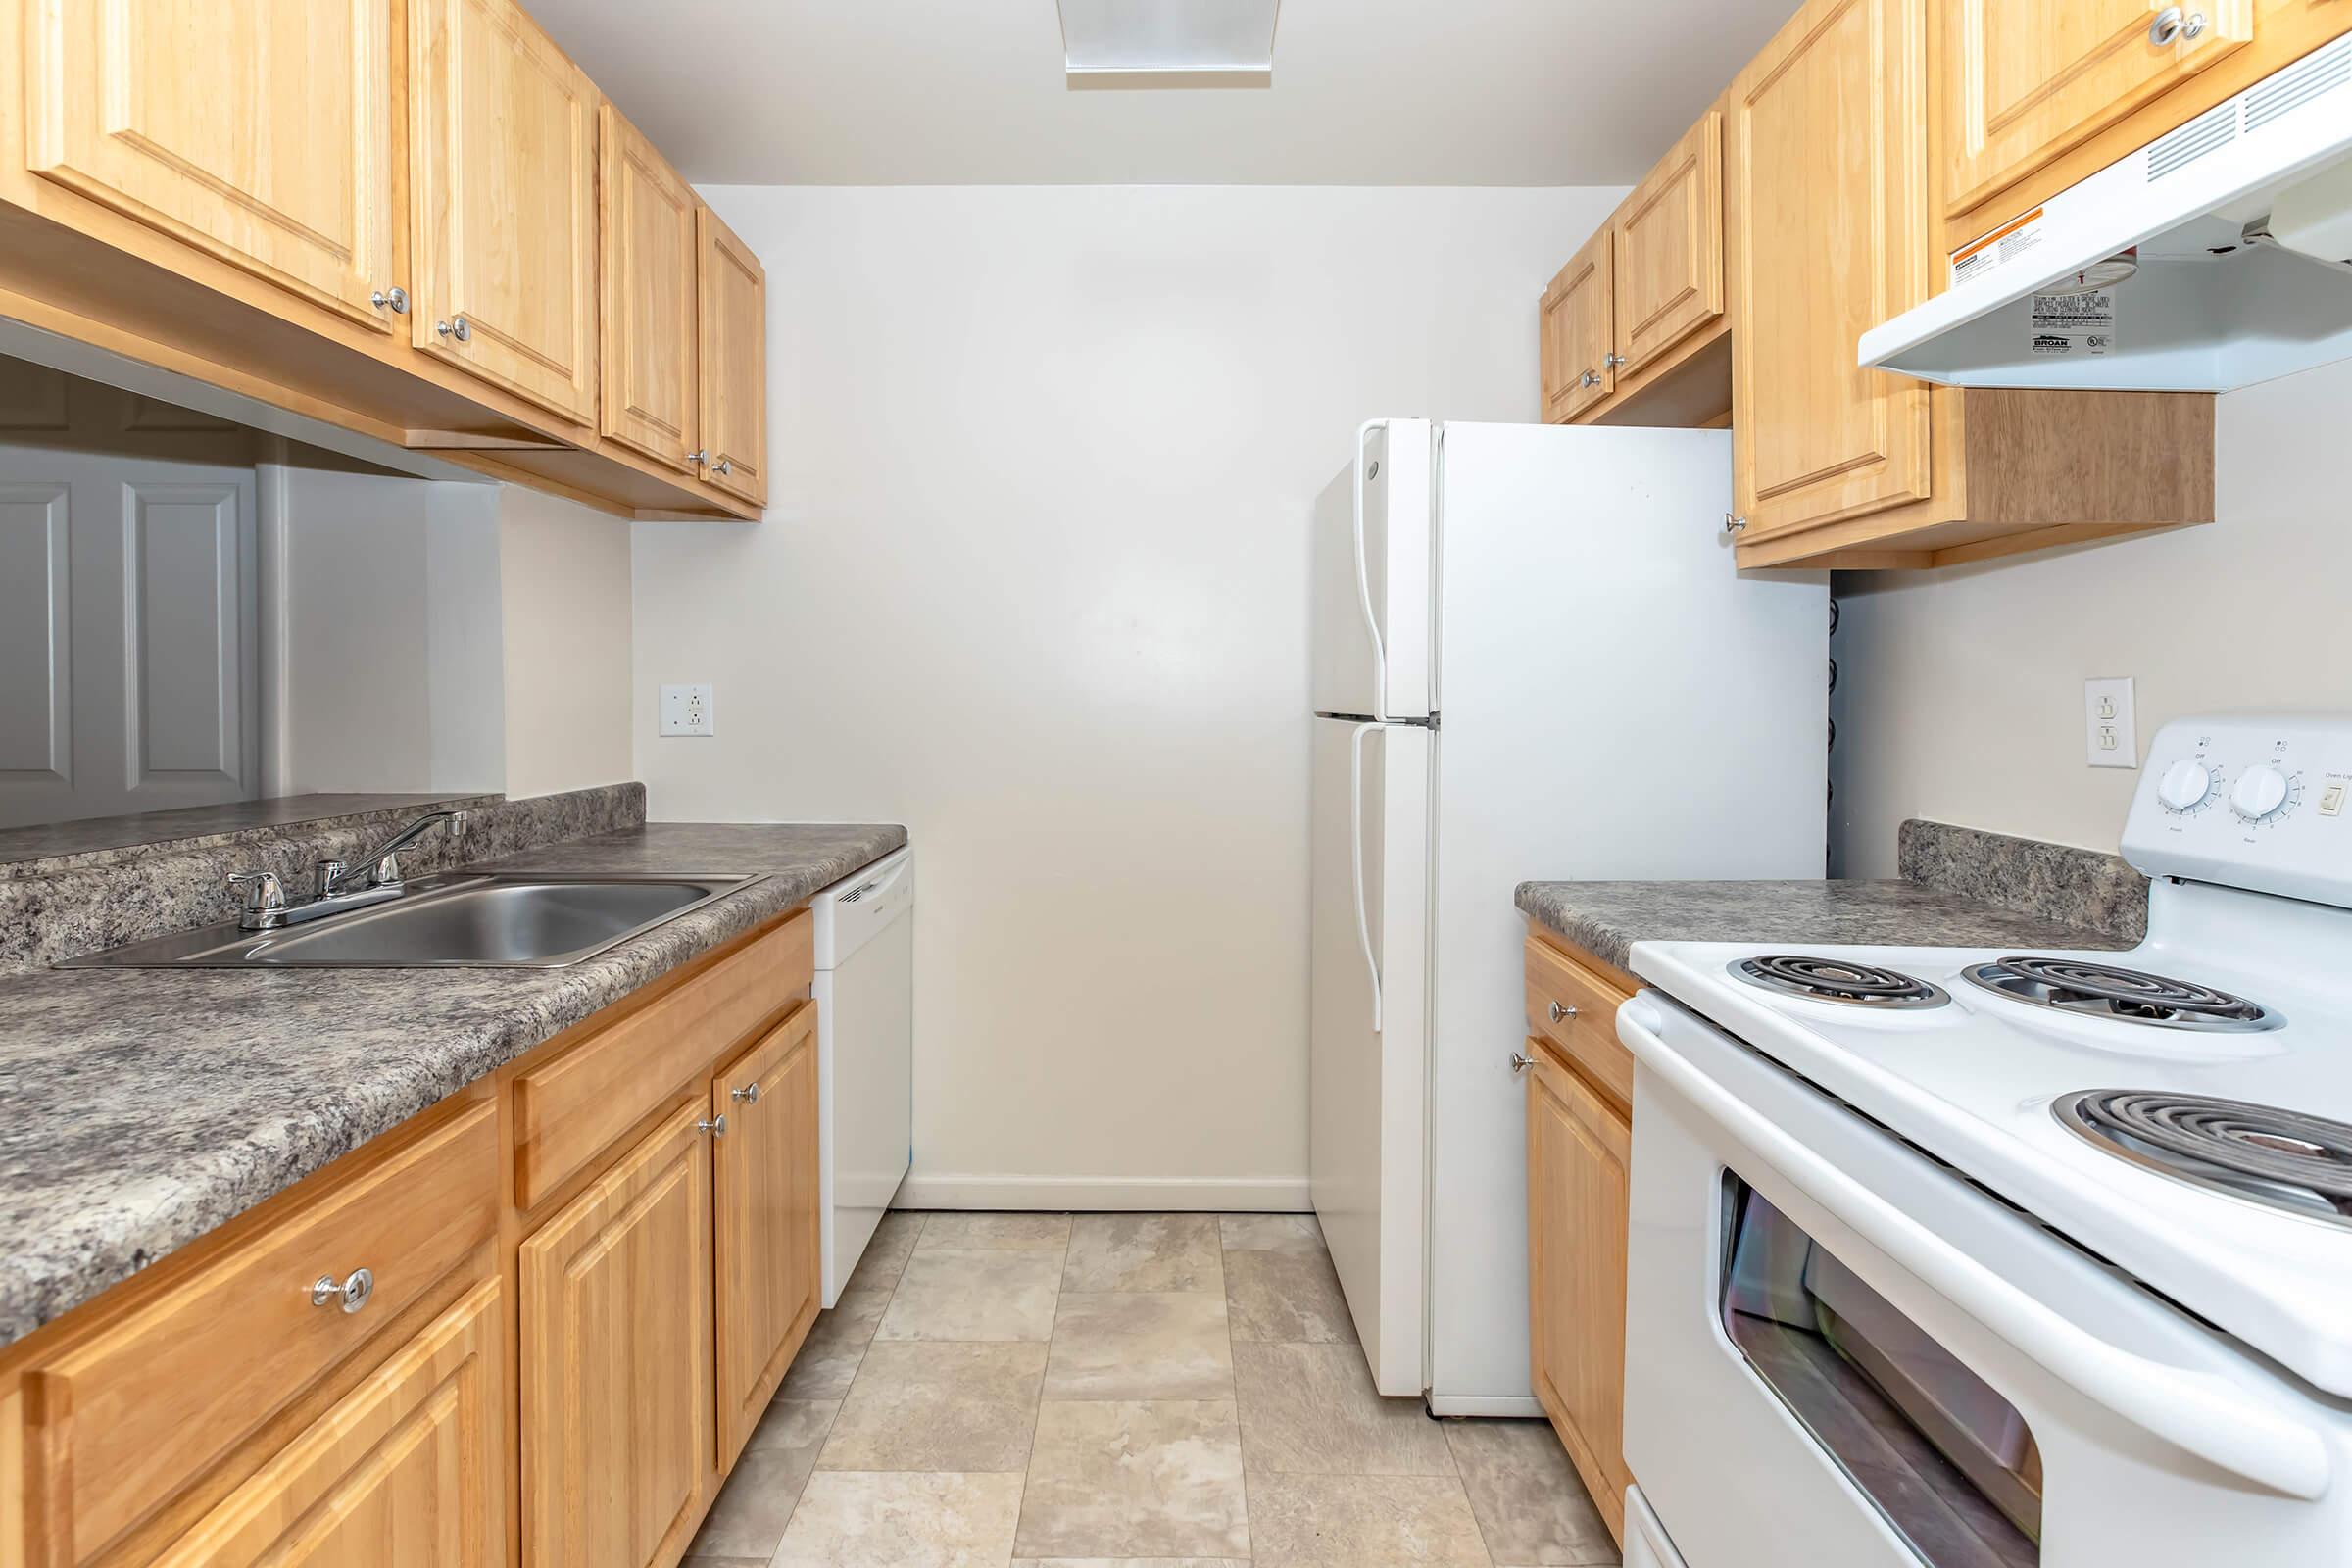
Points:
[1961,691]
[1032,582]
[563,576]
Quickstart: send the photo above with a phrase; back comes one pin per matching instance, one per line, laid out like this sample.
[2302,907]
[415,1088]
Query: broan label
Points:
[2074,324]
[1998,248]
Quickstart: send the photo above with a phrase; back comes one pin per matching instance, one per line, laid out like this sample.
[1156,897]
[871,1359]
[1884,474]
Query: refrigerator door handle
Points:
[1355,851]
[1363,598]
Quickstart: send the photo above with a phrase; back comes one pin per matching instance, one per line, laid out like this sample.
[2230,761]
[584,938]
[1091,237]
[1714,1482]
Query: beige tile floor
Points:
[1123,1391]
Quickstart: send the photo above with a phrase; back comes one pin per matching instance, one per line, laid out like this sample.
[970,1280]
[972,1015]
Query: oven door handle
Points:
[2196,1412]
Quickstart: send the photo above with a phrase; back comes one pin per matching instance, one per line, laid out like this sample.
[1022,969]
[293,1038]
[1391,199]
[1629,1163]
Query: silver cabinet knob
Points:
[459,328]
[724,465]
[715,1126]
[1560,1014]
[353,1291]
[2171,27]
[394,299]
[1612,361]
[699,455]
[1521,1062]
[1732,525]
[1588,378]
[749,1093]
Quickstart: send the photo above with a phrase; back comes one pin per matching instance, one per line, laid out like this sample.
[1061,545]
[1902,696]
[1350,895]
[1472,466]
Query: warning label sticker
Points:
[2003,245]
[2077,323]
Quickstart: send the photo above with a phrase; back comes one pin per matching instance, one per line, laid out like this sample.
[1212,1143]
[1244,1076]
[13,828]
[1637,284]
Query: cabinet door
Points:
[1669,267]
[734,336]
[1576,338]
[1830,236]
[767,1219]
[617,1429]
[1577,1151]
[502,181]
[2024,81]
[258,131]
[407,1468]
[650,375]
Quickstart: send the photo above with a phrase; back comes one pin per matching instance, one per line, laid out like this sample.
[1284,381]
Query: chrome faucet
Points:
[266,907]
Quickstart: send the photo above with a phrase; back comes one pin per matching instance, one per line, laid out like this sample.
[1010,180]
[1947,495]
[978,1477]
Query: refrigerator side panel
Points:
[1368,1042]
[1619,703]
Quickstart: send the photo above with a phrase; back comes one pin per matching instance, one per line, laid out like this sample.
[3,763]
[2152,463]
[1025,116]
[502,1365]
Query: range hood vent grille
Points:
[2298,84]
[2210,131]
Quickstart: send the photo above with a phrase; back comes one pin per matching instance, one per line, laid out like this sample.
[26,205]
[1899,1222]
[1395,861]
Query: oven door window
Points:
[1949,1461]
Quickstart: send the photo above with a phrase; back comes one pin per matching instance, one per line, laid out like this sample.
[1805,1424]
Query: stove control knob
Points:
[2259,791]
[2185,784]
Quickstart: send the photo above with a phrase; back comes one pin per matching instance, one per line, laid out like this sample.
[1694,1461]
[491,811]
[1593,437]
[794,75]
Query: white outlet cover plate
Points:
[2111,731]
[689,711]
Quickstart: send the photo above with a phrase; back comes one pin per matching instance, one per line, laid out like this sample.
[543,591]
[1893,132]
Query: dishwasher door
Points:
[866,1053]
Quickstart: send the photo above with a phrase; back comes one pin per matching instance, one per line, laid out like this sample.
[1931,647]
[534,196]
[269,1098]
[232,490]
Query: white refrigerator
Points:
[1533,659]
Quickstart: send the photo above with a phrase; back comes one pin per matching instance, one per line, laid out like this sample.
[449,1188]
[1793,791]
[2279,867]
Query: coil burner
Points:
[2090,989]
[2279,1158]
[1838,980]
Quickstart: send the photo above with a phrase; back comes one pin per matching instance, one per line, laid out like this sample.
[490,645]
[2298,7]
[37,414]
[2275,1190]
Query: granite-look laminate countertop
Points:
[1606,918]
[146,1106]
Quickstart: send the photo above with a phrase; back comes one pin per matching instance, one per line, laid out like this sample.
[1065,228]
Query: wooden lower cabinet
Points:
[615,1360]
[767,1219]
[1578,1147]
[408,1469]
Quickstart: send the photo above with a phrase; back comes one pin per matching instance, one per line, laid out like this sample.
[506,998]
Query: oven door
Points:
[1839,1355]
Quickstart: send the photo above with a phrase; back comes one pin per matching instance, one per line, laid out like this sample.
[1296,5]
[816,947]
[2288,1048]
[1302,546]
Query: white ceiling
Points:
[1366,92]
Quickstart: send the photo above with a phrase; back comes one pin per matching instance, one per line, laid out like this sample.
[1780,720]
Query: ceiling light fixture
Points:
[1169,43]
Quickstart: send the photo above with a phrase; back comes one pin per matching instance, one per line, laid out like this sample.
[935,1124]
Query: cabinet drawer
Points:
[577,1106]
[119,1422]
[1576,1011]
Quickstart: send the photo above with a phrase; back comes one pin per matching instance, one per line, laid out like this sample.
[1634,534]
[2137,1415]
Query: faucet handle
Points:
[327,878]
[263,892]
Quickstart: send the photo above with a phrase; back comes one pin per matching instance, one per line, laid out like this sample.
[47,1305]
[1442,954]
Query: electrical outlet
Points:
[2109,727]
[688,710]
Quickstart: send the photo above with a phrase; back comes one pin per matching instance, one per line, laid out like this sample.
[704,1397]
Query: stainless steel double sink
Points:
[497,920]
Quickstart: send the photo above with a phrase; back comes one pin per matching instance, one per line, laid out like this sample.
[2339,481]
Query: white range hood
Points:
[2229,242]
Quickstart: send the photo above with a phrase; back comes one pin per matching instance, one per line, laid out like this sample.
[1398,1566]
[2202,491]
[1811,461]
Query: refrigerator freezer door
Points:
[1367,1137]
[1372,578]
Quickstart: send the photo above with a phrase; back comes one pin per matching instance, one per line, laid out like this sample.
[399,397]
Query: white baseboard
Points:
[1259,1195]
[1491,1406]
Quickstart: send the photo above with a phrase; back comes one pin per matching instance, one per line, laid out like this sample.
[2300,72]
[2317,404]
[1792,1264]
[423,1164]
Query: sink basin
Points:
[508,920]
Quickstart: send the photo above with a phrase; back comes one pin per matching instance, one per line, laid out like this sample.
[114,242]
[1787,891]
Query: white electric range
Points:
[1983,1259]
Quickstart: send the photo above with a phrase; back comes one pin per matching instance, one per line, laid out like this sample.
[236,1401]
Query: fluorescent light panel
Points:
[1161,43]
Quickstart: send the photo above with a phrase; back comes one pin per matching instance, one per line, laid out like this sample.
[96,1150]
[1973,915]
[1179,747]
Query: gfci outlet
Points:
[2112,732]
[688,710]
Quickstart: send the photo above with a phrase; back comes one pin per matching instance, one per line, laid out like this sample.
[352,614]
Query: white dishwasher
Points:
[865,1052]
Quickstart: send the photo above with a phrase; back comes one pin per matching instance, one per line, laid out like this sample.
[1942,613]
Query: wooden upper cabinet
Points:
[733,286]
[1576,341]
[503,187]
[1827,157]
[1669,250]
[2025,80]
[258,130]
[618,1442]
[407,1468]
[652,362]
[1578,1152]
[767,1219]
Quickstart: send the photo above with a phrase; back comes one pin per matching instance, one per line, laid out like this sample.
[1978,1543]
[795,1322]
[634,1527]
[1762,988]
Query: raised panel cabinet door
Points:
[407,1468]
[258,130]
[2024,81]
[1578,1149]
[733,286]
[1828,152]
[652,363]
[768,1218]
[501,183]
[1575,340]
[1669,267]
[615,1360]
